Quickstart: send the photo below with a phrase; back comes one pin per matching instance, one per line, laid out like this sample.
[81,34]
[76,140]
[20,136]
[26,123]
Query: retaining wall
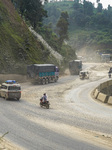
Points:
[103,92]
[110,100]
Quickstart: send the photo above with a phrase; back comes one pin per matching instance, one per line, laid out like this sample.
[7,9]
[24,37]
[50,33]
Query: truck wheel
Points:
[56,79]
[47,81]
[43,81]
[53,79]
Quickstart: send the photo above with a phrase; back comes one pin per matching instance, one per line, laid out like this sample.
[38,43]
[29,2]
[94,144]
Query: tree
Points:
[97,1]
[99,8]
[62,26]
[76,5]
[109,8]
[88,8]
[32,10]
[53,15]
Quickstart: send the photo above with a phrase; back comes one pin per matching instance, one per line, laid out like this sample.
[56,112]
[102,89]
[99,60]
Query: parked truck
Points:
[75,66]
[43,73]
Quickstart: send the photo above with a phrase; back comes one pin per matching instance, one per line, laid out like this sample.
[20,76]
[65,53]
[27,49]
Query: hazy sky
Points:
[105,3]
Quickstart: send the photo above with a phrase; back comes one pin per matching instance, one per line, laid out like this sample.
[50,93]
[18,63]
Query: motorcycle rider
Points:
[109,74]
[44,98]
[44,101]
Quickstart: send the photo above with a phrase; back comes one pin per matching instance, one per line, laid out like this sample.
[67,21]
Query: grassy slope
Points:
[18,47]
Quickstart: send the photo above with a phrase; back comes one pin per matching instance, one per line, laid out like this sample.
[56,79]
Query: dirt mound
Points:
[102,67]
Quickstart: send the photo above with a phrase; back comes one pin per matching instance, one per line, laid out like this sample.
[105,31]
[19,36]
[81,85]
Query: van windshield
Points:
[14,88]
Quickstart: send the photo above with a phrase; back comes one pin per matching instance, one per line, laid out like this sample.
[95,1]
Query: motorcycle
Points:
[109,74]
[44,104]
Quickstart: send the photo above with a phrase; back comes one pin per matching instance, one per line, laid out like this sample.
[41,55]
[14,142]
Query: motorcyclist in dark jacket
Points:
[109,74]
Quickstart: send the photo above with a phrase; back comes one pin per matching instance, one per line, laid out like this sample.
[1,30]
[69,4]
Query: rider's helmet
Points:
[44,93]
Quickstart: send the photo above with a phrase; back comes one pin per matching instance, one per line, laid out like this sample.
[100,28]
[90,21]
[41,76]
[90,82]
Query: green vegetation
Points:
[32,10]
[62,26]
[1,138]
[64,49]
[89,27]
[18,47]
[69,28]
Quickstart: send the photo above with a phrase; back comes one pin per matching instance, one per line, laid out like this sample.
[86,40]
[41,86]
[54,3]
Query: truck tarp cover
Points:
[41,68]
[75,63]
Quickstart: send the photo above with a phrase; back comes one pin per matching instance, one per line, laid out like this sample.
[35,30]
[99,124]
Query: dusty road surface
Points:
[67,117]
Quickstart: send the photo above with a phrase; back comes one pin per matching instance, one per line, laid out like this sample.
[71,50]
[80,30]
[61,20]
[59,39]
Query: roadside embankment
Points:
[17,77]
[103,92]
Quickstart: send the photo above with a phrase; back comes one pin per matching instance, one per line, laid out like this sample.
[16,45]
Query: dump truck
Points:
[43,73]
[75,66]
[105,57]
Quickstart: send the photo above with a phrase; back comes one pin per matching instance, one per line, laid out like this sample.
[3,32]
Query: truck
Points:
[42,73]
[75,66]
[105,57]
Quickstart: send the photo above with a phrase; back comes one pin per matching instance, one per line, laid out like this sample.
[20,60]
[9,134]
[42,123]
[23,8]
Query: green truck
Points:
[75,66]
[42,73]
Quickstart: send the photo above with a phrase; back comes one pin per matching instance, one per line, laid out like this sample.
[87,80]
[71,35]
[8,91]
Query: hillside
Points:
[89,27]
[18,46]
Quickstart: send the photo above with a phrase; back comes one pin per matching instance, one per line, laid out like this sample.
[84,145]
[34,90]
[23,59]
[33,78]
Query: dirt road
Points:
[60,106]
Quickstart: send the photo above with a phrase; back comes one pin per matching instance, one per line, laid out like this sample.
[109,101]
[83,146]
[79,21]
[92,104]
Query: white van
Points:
[10,90]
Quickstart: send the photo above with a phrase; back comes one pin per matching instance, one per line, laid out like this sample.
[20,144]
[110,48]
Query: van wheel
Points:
[6,98]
